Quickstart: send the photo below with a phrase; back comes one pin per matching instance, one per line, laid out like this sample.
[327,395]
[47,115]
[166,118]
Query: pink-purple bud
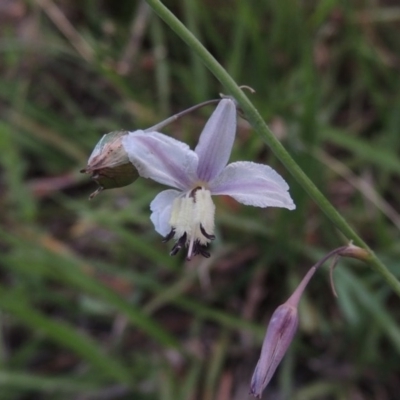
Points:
[284,322]
[280,333]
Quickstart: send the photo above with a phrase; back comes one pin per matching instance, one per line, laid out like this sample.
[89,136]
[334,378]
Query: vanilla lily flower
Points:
[187,214]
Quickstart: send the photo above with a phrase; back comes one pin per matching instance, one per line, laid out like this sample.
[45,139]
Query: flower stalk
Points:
[267,135]
[284,322]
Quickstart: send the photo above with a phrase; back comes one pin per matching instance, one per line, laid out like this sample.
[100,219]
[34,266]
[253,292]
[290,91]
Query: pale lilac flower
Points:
[187,214]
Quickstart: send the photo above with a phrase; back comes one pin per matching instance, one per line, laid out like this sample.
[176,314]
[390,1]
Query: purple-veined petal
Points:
[253,184]
[161,158]
[161,210]
[216,140]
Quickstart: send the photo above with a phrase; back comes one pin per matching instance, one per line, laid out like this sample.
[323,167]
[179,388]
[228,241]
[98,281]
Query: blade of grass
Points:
[25,381]
[65,335]
[373,305]
[162,69]
[366,151]
[192,13]
[192,306]
[361,185]
[68,268]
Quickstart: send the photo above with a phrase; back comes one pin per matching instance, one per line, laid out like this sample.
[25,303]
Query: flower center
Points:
[192,222]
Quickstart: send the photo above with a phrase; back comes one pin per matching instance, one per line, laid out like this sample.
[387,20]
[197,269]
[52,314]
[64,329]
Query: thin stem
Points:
[295,297]
[266,134]
[175,117]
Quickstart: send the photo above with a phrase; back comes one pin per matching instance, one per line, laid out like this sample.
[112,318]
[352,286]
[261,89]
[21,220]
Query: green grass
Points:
[91,304]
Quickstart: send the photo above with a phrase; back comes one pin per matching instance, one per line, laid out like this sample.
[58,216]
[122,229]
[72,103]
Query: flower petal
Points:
[216,140]
[161,158]
[161,210]
[253,184]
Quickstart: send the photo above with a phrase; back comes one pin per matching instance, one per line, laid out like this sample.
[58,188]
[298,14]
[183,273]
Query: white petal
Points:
[253,184]
[161,210]
[216,140]
[161,158]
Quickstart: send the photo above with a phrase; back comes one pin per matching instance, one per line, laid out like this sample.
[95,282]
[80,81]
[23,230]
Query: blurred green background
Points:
[92,306]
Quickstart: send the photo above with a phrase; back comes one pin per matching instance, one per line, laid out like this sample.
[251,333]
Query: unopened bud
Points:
[280,333]
[109,164]
[284,322]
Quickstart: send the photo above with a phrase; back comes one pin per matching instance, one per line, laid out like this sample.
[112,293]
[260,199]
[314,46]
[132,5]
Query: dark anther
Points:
[200,249]
[204,252]
[178,245]
[207,235]
[169,236]
[175,250]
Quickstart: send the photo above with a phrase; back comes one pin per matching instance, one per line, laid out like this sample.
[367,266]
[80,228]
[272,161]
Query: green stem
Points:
[266,134]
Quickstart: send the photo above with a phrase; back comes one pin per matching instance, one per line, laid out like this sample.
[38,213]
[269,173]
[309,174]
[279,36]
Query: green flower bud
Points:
[109,163]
